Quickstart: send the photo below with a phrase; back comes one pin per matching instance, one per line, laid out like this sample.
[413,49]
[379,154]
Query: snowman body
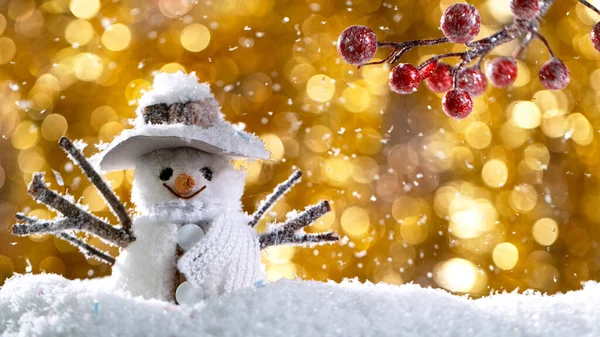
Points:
[147,267]
[192,239]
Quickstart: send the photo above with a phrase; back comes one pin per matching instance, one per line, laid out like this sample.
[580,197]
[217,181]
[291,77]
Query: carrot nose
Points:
[184,183]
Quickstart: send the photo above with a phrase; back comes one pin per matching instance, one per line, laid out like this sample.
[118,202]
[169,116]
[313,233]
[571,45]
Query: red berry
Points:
[554,75]
[427,70]
[457,104]
[404,79]
[502,72]
[525,9]
[595,36]
[441,80]
[472,80]
[357,45]
[460,23]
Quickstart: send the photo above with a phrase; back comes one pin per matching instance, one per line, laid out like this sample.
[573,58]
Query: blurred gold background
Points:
[508,198]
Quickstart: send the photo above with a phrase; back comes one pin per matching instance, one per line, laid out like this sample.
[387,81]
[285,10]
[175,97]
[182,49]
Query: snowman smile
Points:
[183,196]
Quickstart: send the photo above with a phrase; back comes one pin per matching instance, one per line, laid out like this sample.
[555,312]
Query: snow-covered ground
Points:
[48,305]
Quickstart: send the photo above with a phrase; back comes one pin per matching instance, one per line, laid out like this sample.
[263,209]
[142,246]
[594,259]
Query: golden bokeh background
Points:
[508,198]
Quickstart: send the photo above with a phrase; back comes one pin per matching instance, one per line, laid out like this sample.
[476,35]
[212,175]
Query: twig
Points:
[279,191]
[113,202]
[87,250]
[55,227]
[291,232]
[76,217]
[481,47]
[518,53]
[313,238]
[476,49]
[525,29]
[40,226]
[543,39]
[400,48]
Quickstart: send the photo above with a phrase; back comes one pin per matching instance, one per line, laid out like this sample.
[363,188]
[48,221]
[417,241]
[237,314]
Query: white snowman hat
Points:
[178,112]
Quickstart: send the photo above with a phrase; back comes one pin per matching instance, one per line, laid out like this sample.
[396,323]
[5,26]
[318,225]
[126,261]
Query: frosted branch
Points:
[518,53]
[279,192]
[479,48]
[400,48]
[291,232]
[320,238]
[55,227]
[113,202]
[36,226]
[76,218]
[87,250]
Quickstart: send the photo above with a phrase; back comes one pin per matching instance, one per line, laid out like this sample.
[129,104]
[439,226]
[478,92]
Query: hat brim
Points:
[222,139]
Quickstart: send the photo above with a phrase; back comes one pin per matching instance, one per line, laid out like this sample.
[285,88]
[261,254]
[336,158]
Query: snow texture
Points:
[221,138]
[48,305]
[146,267]
[175,88]
[277,194]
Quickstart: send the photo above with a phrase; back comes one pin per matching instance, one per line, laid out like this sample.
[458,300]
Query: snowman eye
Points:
[207,173]
[166,174]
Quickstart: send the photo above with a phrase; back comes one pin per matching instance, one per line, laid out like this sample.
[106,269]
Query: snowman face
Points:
[184,177]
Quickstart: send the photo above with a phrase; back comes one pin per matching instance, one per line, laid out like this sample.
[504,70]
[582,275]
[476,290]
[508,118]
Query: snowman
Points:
[189,238]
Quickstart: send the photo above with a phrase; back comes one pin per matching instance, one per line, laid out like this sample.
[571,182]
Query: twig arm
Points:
[291,231]
[56,227]
[87,250]
[270,200]
[36,226]
[328,237]
[113,202]
[308,217]
[76,218]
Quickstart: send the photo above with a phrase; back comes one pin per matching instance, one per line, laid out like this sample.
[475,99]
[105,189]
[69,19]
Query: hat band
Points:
[198,113]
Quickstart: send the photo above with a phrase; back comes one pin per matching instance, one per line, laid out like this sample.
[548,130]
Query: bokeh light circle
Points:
[84,9]
[545,231]
[195,37]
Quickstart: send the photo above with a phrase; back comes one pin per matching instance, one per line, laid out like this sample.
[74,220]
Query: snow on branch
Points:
[76,218]
[290,232]
[313,238]
[57,227]
[37,226]
[113,202]
[87,250]
[270,200]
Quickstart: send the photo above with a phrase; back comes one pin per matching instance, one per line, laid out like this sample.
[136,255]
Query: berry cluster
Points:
[460,23]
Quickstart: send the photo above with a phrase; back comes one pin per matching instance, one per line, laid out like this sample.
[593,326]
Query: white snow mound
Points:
[177,87]
[49,305]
